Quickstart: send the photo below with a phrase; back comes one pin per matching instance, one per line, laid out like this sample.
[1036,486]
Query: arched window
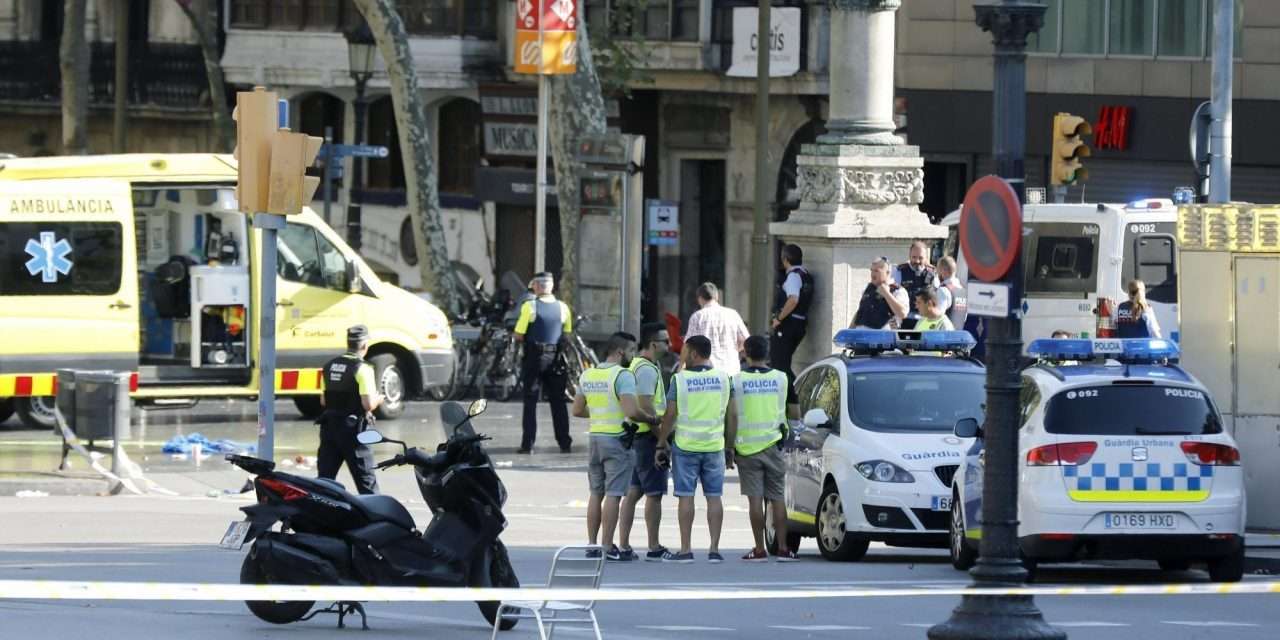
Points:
[459,153]
[317,111]
[384,173]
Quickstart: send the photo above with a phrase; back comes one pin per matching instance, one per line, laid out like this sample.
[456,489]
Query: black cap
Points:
[357,333]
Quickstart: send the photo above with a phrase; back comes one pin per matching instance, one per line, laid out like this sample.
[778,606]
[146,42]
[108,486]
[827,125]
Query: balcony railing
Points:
[160,74]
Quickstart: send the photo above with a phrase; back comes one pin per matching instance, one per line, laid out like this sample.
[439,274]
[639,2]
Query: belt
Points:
[544,347]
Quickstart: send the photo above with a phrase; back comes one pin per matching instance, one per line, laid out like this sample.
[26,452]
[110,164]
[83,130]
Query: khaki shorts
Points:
[763,475]
[610,467]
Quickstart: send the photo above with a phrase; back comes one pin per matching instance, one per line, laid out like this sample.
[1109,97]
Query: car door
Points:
[315,308]
[975,458]
[821,390]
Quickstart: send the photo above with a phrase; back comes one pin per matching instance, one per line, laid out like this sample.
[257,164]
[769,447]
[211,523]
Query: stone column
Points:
[860,185]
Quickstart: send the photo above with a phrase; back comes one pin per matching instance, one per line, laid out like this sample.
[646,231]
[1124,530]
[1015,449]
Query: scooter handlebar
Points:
[393,462]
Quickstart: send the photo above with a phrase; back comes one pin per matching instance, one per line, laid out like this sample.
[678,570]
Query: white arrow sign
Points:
[988,299]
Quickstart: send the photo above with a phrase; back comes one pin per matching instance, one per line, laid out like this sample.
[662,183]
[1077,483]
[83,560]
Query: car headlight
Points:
[884,471]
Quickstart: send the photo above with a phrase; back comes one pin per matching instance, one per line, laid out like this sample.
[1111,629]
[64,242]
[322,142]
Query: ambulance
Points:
[1073,254]
[144,263]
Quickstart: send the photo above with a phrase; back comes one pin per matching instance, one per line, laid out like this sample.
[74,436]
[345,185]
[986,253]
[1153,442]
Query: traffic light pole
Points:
[983,617]
[270,224]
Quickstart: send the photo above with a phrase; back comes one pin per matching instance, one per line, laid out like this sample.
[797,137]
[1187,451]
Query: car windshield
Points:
[915,401]
[1124,410]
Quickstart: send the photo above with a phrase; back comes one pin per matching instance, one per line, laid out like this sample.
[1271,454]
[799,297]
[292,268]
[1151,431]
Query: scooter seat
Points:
[333,484]
[385,509]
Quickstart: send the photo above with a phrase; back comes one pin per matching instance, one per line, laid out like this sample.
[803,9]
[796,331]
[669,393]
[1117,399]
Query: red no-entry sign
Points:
[990,228]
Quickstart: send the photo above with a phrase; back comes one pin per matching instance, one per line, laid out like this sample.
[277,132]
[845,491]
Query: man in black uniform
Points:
[914,275]
[350,395]
[884,304]
[543,322]
[790,315]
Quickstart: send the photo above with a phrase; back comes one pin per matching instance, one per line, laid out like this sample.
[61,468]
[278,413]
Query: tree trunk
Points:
[74,63]
[577,110]
[203,15]
[415,142]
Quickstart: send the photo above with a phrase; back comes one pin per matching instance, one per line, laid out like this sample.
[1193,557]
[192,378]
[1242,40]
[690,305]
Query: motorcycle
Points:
[328,536]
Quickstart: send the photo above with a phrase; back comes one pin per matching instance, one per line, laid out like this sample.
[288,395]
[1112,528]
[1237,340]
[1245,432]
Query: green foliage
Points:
[621,51]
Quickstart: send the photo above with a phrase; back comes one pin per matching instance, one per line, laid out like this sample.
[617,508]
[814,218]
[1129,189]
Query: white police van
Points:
[1122,454]
[874,457]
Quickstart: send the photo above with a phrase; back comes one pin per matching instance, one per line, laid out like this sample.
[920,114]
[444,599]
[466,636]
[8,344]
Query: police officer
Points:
[916,273]
[350,396]
[607,397]
[955,301]
[1134,317]
[790,313]
[543,322]
[883,303]
[759,421]
[696,408]
[649,479]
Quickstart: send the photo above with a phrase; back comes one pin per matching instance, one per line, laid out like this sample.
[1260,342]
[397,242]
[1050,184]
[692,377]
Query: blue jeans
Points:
[689,467]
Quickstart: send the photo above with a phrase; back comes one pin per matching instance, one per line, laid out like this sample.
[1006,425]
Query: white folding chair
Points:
[571,568]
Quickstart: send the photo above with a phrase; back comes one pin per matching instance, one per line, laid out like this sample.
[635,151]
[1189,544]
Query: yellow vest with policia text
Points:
[701,400]
[659,392]
[762,409]
[597,384]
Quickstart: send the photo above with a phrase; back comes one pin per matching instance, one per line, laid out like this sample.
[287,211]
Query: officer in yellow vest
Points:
[607,397]
[649,480]
[696,406]
[760,399]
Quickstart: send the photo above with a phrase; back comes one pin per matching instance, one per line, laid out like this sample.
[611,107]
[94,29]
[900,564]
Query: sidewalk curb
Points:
[53,484]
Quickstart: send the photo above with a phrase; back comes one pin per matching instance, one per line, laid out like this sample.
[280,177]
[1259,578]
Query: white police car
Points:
[875,456]
[1118,458]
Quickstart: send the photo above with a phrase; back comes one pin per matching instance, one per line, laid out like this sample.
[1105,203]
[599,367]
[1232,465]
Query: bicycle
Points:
[576,357]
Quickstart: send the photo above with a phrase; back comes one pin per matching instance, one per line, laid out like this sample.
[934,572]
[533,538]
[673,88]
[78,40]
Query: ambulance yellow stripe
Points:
[1139,496]
[21,385]
[297,379]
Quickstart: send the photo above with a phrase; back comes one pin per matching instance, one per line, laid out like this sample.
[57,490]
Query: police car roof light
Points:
[947,341]
[1150,203]
[865,339]
[1147,350]
[1061,348]
[1129,351]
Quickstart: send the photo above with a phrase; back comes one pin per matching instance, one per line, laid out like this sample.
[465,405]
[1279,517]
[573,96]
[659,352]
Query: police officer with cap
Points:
[542,323]
[350,396]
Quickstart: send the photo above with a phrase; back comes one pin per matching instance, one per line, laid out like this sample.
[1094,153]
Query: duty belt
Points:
[545,347]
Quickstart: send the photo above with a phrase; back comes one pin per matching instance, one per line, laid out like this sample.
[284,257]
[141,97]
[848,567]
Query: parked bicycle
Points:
[576,356]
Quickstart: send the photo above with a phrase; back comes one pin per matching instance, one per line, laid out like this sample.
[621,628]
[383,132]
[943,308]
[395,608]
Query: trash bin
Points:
[65,400]
[102,405]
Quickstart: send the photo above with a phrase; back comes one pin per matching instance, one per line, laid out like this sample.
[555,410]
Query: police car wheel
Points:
[1228,568]
[771,536]
[6,408]
[36,412]
[1174,564]
[834,540]
[391,384]
[963,556]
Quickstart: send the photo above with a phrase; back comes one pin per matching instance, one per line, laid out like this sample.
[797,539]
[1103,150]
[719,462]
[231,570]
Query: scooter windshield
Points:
[454,417]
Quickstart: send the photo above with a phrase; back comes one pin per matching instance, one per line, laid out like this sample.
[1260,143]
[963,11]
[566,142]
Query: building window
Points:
[1143,28]
[459,128]
[450,17]
[384,174]
[646,19]
[292,15]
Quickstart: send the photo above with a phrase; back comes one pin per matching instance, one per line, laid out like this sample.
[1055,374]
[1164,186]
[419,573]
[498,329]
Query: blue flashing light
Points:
[1128,350]
[947,341]
[865,339]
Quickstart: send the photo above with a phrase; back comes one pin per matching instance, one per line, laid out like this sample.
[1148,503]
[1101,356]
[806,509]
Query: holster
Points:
[628,437]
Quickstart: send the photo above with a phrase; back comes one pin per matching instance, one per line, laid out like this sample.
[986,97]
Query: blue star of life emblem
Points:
[48,257]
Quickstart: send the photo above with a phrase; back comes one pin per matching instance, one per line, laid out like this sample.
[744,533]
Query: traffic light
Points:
[256,127]
[291,187]
[1068,148]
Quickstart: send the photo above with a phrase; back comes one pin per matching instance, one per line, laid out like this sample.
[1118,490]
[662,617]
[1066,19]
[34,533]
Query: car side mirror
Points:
[477,407]
[968,428]
[369,436]
[354,285]
[817,419]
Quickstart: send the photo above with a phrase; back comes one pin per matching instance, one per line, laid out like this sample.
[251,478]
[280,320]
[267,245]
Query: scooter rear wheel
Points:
[273,611]
[501,575]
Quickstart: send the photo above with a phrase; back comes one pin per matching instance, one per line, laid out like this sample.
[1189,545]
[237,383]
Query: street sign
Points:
[989,299]
[356,150]
[990,228]
[664,222]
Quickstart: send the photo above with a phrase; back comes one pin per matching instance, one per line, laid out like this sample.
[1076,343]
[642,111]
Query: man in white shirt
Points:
[722,326]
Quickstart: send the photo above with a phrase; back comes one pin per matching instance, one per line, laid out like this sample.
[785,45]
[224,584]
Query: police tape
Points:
[177,591]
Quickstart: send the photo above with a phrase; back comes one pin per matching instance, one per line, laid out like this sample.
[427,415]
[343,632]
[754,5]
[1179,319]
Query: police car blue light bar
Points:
[1128,350]
[884,340]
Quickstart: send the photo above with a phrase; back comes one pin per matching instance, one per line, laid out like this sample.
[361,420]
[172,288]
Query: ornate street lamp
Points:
[361,48]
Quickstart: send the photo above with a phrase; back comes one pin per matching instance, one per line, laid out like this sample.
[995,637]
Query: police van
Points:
[874,456]
[1073,254]
[1122,454]
[144,263]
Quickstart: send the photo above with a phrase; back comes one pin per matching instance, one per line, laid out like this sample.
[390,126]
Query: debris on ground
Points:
[184,444]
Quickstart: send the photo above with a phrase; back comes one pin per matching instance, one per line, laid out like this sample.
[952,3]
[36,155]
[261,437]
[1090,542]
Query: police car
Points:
[874,457]
[1122,455]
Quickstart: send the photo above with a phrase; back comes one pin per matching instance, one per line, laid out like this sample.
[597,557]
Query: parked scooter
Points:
[328,536]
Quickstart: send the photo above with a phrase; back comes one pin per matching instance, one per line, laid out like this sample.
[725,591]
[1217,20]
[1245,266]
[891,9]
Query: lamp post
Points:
[360,52]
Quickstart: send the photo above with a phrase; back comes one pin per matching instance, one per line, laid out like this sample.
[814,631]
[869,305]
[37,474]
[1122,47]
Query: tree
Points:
[203,15]
[577,110]
[73,61]
[414,132]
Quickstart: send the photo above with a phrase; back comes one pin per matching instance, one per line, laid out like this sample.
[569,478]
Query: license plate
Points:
[235,535]
[1140,521]
[941,503]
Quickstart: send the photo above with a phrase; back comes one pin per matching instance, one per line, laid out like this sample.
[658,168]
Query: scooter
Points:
[328,536]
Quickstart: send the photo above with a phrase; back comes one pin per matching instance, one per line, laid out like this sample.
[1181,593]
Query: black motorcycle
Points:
[330,537]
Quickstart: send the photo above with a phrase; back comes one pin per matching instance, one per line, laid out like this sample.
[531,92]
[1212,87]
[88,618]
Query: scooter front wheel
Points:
[503,576]
[273,611]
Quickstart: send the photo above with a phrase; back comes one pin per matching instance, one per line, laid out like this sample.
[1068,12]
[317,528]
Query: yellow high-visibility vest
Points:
[597,384]
[701,400]
[762,408]
[659,393]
